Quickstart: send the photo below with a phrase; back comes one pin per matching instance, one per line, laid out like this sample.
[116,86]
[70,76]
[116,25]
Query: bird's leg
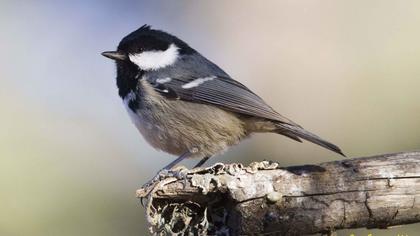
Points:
[167,170]
[176,161]
[202,161]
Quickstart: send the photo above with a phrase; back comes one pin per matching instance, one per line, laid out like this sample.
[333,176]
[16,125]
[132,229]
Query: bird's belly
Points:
[177,126]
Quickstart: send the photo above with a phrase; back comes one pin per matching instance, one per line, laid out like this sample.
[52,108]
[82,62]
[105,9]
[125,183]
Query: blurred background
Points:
[70,158]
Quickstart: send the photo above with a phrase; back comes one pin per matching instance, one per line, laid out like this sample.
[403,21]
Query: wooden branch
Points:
[372,192]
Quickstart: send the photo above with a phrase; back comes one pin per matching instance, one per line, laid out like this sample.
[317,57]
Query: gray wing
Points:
[206,83]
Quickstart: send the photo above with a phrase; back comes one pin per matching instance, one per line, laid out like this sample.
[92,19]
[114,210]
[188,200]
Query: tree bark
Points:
[264,198]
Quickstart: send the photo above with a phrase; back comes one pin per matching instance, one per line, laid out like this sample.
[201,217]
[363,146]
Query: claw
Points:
[178,173]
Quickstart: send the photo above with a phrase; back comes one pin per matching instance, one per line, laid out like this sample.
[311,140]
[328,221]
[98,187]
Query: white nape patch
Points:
[164,80]
[153,60]
[197,82]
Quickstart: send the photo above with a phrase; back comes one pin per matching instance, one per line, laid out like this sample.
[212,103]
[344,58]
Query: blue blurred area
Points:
[70,158]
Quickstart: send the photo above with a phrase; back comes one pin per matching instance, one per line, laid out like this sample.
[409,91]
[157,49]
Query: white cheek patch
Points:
[197,82]
[164,80]
[153,60]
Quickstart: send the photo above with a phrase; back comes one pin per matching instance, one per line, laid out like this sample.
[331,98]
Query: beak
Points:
[115,55]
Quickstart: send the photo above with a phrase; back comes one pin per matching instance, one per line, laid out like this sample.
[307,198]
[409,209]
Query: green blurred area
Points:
[70,158]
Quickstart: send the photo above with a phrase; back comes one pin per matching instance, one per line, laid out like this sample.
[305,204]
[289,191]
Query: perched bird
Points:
[186,105]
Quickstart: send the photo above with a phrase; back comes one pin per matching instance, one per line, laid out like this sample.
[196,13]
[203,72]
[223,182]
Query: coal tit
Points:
[186,105]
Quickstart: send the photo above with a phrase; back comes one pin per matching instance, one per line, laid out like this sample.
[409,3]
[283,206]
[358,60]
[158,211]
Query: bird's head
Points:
[148,49]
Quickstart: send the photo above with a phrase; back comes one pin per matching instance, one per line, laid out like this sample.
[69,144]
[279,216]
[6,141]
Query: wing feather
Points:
[222,92]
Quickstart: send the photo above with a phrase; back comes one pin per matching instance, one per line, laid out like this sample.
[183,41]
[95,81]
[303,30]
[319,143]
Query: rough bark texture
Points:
[264,198]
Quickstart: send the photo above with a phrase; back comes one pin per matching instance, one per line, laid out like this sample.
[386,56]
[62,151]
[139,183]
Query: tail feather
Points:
[290,135]
[296,132]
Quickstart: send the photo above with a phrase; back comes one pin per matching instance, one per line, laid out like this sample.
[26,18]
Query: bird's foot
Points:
[178,172]
[163,177]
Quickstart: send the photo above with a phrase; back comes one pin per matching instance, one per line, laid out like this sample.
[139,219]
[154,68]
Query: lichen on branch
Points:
[232,199]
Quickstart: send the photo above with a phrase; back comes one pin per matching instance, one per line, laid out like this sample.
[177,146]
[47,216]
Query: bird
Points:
[186,105]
